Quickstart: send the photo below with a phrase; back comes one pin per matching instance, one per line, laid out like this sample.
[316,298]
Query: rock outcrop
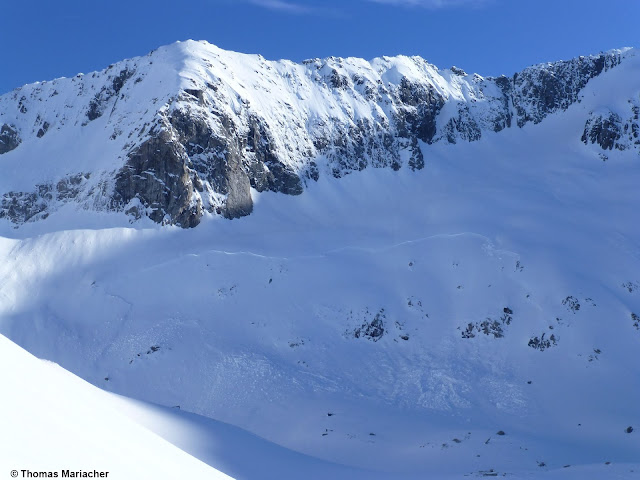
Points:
[611,131]
[9,138]
[545,89]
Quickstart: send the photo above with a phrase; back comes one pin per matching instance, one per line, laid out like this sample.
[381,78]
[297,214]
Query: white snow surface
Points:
[53,421]
[253,322]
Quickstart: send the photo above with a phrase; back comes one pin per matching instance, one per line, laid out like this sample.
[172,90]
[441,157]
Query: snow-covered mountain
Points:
[471,309]
[190,128]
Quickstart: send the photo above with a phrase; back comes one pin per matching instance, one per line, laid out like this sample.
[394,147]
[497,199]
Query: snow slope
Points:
[54,421]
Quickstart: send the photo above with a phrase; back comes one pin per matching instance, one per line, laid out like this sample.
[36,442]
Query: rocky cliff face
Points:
[609,130]
[191,128]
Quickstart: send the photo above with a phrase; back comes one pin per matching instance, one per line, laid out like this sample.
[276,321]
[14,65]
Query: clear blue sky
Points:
[42,40]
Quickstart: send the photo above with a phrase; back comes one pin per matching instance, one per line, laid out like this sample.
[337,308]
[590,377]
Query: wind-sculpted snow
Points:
[189,130]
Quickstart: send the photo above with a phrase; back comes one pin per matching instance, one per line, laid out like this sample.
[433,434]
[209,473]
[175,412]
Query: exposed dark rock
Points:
[416,162]
[276,177]
[69,187]
[542,343]
[489,326]
[216,159]
[42,130]
[611,131]
[571,303]
[362,144]
[503,120]
[464,125]
[9,138]
[542,90]
[199,94]
[605,130]
[595,355]
[163,173]
[419,106]
[492,327]
[373,329]
[118,82]
[98,103]
[95,109]
[156,174]
[20,207]
[468,332]
[338,81]
[312,171]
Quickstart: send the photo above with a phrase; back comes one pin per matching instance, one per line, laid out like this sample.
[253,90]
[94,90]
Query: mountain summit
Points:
[189,129]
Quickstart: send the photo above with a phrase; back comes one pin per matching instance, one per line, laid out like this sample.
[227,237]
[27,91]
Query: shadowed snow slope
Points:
[53,421]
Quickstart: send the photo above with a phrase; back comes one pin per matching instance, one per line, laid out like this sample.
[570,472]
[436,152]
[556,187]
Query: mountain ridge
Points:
[189,130]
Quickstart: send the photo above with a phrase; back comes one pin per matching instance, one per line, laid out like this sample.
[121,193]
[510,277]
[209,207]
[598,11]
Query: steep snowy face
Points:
[190,129]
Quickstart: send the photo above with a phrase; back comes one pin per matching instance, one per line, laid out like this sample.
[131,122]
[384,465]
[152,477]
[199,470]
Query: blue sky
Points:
[47,39]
